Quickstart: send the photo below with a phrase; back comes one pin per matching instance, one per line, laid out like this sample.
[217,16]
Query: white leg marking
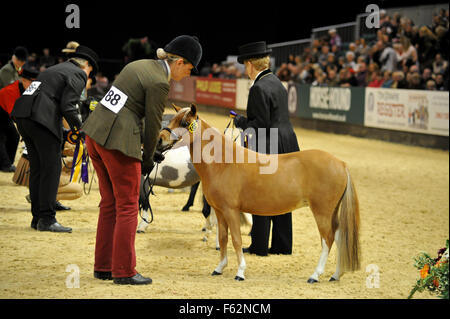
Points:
[143,224]
[242,266]
[322,261]
[223,263]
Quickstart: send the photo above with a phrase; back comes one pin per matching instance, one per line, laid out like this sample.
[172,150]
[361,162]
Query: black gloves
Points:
[146,169]
[158,157]
[238,120]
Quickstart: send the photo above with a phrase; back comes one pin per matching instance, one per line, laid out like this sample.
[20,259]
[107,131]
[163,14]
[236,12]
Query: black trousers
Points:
[281,234]
[44,154]
[9,140]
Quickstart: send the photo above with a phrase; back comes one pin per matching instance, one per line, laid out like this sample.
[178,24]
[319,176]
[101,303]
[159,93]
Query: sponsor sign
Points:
[218,92]
[417,111]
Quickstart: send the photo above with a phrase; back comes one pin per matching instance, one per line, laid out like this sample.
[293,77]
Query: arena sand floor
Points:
[403,193]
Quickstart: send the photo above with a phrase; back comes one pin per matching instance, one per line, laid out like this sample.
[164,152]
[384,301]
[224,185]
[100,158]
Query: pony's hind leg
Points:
[223,241]
[324,224]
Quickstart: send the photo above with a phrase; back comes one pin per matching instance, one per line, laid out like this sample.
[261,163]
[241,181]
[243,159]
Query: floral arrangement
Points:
[434,274]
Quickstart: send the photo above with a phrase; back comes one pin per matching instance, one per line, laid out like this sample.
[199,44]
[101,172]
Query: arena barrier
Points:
[415,117]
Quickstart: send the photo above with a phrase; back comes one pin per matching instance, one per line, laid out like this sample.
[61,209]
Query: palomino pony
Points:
[311,178]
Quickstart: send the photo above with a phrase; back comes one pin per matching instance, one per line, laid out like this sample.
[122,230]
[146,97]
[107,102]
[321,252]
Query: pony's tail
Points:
[348,244]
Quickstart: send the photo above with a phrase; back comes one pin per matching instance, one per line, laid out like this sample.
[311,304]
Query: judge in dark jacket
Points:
[267,108]
[38,113]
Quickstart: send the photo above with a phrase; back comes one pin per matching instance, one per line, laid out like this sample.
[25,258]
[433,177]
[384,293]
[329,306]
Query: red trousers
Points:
[119,178]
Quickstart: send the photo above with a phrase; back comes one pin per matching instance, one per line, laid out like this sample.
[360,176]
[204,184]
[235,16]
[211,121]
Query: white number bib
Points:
[32,88]
[114,99]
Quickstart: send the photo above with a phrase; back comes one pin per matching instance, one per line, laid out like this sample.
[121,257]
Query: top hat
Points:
[253,50]
[70,47]
[21,53]
[88,54]
[187,47]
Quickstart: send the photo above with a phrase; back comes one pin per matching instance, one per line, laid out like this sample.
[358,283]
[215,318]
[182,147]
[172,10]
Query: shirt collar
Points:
[168,70]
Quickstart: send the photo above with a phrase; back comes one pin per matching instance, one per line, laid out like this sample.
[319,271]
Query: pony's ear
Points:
[193,109]
[176,108]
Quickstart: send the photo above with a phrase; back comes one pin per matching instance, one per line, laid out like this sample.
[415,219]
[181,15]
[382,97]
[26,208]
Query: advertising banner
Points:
[417,111]
[331,103]
[218,92]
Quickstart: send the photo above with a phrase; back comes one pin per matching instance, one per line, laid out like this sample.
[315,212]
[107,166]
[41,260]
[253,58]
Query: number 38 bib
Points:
[114,99]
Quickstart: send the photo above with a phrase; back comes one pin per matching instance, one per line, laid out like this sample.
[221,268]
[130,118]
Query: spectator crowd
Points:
[404,55]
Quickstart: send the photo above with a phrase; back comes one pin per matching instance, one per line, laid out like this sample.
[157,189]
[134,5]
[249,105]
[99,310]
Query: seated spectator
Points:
[387,79]
[346,78]
[362,48]
[443,41]
[350,60]
[283,73]
[324,53]
[341,63]
[331,60]
[440,84]
[430,85]
[361,75]
[331,79]
[439,65]
[398,80]
[376,81]
[319,77]
[414,82]
[426,76]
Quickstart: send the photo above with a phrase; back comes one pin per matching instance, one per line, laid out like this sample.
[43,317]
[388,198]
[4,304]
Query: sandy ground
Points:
[403,193]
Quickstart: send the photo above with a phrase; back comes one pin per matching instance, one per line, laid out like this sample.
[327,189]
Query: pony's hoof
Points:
[237,278]
[140,231]
[333,279]
[312,281]
[217,248]
[185,208]
[215,273]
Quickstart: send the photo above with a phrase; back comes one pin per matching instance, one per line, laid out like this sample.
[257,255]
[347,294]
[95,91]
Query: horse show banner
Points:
[418,111]
[330,103]
[213,91]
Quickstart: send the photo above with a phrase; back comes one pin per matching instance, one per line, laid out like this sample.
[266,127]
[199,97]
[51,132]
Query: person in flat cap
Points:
[267,108]
[9,73]
[39,116]
[113,140]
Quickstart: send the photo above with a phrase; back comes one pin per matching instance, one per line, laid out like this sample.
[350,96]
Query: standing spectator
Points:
[137,49]
[443,41]
[9,73]
[408,55]
[335,39]
[46,60]
[388,58]
[426,46]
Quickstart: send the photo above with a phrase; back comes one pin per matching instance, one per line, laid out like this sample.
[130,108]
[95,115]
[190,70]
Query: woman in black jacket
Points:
[267,108]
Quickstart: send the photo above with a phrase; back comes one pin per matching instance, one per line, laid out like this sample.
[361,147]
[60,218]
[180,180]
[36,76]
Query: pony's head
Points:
[184,123]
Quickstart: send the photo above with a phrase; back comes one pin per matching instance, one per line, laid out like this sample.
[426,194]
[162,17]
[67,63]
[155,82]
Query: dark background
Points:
[221,26]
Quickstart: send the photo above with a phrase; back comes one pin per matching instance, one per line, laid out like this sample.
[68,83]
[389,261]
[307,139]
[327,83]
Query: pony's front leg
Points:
[235,229]
[223,241]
